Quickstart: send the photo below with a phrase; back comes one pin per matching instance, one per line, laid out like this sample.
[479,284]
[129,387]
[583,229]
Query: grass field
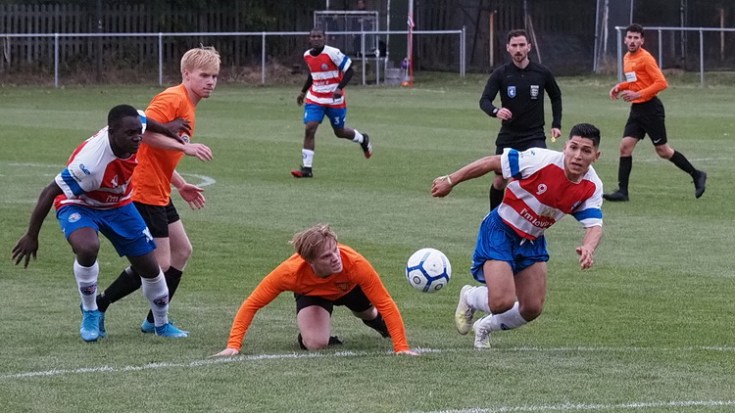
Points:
[649,329]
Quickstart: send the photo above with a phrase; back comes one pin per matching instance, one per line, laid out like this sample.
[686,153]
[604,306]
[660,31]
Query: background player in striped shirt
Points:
[510,255]
[643,81]
[330,71]
[93,194]
[323,273]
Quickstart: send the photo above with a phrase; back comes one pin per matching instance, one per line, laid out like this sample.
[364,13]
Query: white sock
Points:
[156,291]
[307,156]
[87,283]
[506,321]
[358,137]
[477,299]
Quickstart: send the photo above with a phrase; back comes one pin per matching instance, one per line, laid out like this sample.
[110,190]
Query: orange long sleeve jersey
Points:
[152,177]
[642,75]
[295,274]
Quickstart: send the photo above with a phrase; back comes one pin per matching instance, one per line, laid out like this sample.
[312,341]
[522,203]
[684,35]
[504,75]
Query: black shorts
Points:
[522,146]
[157,218]
[355,300]
[647,118]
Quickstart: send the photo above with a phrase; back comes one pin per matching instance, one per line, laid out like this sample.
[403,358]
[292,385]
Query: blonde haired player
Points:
[322,274]
[156,172]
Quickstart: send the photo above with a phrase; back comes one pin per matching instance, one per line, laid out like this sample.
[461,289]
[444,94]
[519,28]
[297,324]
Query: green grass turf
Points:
[649,328]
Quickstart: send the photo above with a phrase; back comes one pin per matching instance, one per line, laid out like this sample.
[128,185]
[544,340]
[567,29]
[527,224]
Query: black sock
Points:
[496,197]
[378,324]
[173,278]
[626,165]
[127,282]
[683,163]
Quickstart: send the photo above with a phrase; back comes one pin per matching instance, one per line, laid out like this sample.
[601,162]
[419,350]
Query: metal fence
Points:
[63,54]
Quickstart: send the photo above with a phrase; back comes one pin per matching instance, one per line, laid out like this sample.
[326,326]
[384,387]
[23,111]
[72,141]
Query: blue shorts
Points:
[123,226]
[315,113]
[497,241]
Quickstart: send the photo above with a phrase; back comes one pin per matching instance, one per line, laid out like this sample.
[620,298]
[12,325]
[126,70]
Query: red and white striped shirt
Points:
[326,70]
[540,194]
[94,177]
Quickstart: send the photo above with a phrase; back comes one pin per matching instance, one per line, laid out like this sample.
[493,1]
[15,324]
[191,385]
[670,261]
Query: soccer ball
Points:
[428,270]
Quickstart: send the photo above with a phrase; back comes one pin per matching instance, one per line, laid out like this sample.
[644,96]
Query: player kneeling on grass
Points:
[510,256]
[92,195]
[323,273]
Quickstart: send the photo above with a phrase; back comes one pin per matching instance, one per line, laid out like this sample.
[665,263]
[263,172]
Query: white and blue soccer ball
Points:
[428,270]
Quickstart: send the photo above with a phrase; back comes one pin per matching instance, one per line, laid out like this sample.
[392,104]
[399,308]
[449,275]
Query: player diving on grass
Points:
[323,274]
[510,255]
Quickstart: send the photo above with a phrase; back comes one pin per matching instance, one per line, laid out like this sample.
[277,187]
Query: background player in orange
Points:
[330,71]
[323,273]
[643,81]
[156,172]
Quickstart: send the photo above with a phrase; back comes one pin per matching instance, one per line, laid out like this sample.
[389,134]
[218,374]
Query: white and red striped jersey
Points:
[326,70]
[539,193]
[94,177]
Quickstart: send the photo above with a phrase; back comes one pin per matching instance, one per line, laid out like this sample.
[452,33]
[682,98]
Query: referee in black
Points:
[521,84]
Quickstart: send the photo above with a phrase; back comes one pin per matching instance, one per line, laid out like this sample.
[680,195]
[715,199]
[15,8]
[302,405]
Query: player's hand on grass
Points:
[192,194]
[407,353]
[25,249]
[228,352]
[199,151]
[585,257]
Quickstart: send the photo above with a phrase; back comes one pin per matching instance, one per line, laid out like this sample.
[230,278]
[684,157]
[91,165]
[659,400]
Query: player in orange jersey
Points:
[156,172]
[323,273]
[643,81]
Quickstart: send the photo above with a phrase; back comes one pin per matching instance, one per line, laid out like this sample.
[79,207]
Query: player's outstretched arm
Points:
[443,185]
[586,251]
[199,151]
[27,245]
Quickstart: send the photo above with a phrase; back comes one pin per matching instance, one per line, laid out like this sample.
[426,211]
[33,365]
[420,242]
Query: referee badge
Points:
[511,91]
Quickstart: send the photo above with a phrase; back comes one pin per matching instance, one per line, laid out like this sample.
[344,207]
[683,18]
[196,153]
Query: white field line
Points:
[291,356]
[192,364]
[584,407]
[206,180]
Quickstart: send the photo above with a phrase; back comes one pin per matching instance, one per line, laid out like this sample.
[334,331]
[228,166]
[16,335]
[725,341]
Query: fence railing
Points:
[380,62]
